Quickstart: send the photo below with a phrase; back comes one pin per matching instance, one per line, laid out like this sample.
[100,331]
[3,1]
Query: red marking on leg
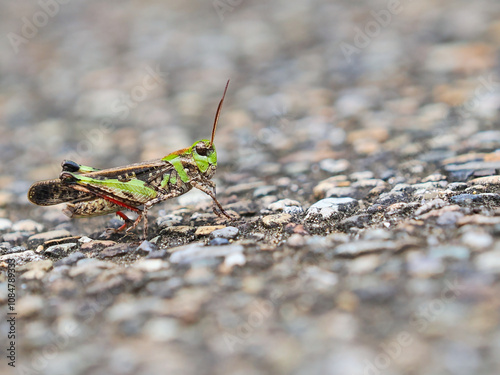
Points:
[117,202]
[124,225]
[124,217]
[103,196]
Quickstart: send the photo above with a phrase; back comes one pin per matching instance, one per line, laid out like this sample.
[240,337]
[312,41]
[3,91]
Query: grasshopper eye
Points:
[202,149]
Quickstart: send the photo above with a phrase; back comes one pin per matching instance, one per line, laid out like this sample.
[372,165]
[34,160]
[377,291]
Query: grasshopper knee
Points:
[70,166]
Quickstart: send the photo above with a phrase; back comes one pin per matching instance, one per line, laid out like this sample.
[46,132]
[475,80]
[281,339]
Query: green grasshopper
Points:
[137,187]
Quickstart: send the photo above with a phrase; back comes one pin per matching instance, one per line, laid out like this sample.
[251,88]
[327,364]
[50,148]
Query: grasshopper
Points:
[137,187]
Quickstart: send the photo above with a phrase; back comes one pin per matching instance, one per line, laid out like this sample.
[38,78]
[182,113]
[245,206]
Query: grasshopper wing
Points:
[141,171]
[50,192]
[147,174]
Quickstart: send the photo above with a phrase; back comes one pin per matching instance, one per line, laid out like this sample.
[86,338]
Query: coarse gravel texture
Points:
[359,153]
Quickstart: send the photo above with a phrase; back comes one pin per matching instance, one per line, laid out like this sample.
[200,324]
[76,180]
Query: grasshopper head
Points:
[205,157]
[203,151]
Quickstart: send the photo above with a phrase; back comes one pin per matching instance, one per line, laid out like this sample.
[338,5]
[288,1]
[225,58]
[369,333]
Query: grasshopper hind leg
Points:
[74,167]
[126,223]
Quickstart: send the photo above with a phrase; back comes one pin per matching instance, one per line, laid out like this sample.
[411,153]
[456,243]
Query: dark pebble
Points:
[146,247]
[157,254]
[5,247]
[392,197]
[15,238]
[355,221]
[476,198]
[375,208]
[40,238]
[264,190]
[378,294]
[59,250]
[459,176]
[115,250]
[16,249]
[387,174]
[457,186]
[165,288]
[219,241]
[70,259]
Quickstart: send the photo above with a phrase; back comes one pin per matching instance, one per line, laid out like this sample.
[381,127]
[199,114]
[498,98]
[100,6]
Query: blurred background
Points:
[318,88]
[111,83]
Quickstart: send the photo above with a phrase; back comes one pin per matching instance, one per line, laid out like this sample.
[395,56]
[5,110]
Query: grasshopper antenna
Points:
[217,114]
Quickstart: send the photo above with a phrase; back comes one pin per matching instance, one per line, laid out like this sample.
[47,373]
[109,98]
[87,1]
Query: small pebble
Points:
[5,224]
[16,249]
[264,190]
[27,226]
[29,306]
[296,240]
[159,254]
[334,166]
[227,232]
[354,249]
[234,259]
[488,180]
[25,256]
[276,220]
[465,199]
[435,203]
[218,241]
[449,252]
[15,237]
[288,206]
[70,259]
[161,330]
[457,186]
[168,221]
[35,270]
[207,230]
[477,240]
[364,265]
[181,230]
[192,252]
[146,247]
[423,266]
[96,245]
[119,249]
[331,207]
[59,250]
[85,239]
[488,261]
[449,218]
[89,267]
[150,265]
[40,238]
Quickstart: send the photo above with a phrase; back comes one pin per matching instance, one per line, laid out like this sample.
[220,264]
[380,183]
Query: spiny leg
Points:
[147,206]
[217,207]
[136,221]
[117,202]
[126,219]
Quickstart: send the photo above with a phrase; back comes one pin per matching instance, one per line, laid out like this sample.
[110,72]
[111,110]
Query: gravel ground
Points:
[359,152]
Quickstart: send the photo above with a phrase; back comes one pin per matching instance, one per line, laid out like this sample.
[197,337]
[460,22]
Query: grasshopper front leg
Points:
[207,186]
